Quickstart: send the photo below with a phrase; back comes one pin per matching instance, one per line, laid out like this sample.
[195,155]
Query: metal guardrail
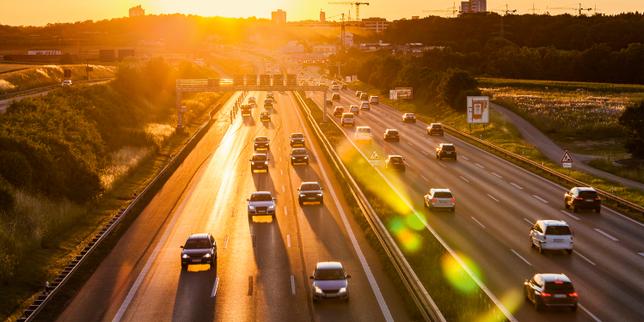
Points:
[426,305]
[137,204]
[617,202]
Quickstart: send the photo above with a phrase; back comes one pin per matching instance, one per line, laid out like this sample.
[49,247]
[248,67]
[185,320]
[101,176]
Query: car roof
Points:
[552,277]
[446,144]
[346,114]
[260,153]
[364,102]
[199,236]
[391,130]
[328,265]
[297,133]
[552,222]
[585,188]
[439,190]
[394,156]
[261,138]
[298,150]
[262,193]
[362,127]
[432,124]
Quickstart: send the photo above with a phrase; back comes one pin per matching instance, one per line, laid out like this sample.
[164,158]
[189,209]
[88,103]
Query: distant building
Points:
[348,39]
[473,6]
[47,52]
[278,16]
[415,17]
[375,24]
[137,11]
[322,16]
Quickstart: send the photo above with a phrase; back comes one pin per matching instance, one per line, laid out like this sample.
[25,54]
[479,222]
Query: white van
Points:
[347,119]
[373,99]
[363,133]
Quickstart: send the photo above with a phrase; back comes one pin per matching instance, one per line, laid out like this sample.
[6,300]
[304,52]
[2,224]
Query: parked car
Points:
[395,162]
[335,97]
[329,281]
[297,140]
[347,119]
[435,129]
[354,109]
[310,192]
[261,143]
[440,199]
[550,290]
[392,135]
[362,133]
[551,235]
[364,105]
[199,249]
[373,99]
[337,111]
[261,203]
[299,156]
[409,118]
[446,151]
[259,162]
[579,198]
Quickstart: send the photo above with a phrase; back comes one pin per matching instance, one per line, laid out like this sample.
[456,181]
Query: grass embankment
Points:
[504,134]
[455,293]
[38,76]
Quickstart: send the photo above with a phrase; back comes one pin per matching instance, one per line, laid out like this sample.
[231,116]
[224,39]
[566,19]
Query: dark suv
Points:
[199,249]
[259,162]
[582,198]
[550,290]
[310,191]
[435,129]
[395,162]
[297,140]
[392,135]
[446,150]
[261,143]
[299,156]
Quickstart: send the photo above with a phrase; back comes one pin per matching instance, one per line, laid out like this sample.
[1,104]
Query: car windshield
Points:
[259,157]
[442,194]
[392,132]
[559,287]
[310,186]
[261,197]
[329,274]
[297,136]
[558,230]
[197,243]
[364,130]
[261,139]
[298,152]
[436,126]
[448,148]
[396,160]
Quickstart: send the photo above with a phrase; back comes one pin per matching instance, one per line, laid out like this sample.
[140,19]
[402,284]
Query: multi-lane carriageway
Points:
[263,265]
[496,203]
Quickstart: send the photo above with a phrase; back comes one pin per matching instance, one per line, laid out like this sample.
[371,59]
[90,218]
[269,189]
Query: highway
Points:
[263,263]
[496,202]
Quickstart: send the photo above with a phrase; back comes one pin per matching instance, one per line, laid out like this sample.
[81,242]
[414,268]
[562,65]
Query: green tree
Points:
[633,120]
[455,86]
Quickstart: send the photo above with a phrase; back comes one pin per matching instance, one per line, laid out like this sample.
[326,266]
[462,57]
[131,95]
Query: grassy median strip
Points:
[455,293]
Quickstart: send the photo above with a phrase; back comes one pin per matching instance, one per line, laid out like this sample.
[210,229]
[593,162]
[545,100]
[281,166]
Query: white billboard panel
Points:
[478,109]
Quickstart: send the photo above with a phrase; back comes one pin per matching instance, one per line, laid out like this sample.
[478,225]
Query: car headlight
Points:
[265,162]
[292,158]
[185,256]
[302,195]
[251,207]
[318,290]
[342,290]
[306,157]
[319,194]
[207,255]
[271,207]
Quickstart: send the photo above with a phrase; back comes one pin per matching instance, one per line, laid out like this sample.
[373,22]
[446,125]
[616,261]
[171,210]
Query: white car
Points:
[364,105]
[347,119]
[551,235]
[440,199]
[363,133]
[373,99]
[354,109]
[66,83]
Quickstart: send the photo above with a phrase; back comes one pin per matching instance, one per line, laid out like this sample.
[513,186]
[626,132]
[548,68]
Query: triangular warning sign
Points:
[374,156]
[566,157]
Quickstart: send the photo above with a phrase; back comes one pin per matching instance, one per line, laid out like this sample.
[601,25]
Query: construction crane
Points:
[356,4]
[453,11]
[579,9]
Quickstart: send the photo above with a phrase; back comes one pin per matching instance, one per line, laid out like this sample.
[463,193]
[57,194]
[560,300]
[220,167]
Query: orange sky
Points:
[41,12]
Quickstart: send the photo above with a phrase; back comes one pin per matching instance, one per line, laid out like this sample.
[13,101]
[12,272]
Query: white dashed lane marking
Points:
[540,199]
[496,175]
[607,235]
[585,258]
[492,197]
[478,222]
[479,165]
[465,179]
[569,215]
[516,185]
[521,257]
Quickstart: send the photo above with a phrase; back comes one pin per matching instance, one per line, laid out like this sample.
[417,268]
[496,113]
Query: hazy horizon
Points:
[30,12]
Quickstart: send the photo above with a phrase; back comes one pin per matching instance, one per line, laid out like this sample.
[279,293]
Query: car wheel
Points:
[453,210]
[531,244]
[321,201]
[566,205]
[300,202]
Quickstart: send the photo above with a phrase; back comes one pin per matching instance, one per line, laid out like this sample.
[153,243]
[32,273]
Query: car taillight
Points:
[544,294]
[579,198]
[434,200]
[453,200]
[597,198]
[573,294]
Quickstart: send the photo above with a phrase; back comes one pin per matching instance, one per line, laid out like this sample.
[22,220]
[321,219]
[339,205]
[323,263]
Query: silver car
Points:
[261,203]
[330,281]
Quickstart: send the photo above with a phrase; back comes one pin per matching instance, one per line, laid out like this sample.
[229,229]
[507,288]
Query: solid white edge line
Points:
[521,257]
[479,165]
[478,222]
[226,242]
[540,199]
[215,287]
[492,197]
[285,211]
[607,235]
[458,259]
[516,185]
[442,164]
[354,242]
[528,221]
[464,157]
[585,258]
[292,284]
[569,214]
[593,316]
[464,179]
[496,175]
[288,240]
[424,178]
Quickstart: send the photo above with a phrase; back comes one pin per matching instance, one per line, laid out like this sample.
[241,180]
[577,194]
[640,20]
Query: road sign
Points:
[566,160]
[478,109]
[374,158]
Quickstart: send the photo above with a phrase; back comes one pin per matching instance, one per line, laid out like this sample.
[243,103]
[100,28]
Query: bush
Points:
[633,120]
[455,87]
[15,168]
[6,200]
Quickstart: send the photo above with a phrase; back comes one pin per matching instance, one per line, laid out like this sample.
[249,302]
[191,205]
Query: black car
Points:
[582,198]
[337,111]
[446,151]
[395,162]
[297,140]
[550,290]
[435,129]
[199,249]
[246,110]
[259,162]
[409,118]
[335,97]
[299,156]
[392,135]
[261,143]
[310,191]
[265,117]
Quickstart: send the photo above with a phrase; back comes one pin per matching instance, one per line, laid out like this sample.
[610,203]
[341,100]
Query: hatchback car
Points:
[199,249]
[446,151]
[364,105]
[579,198]
[550,290]
[265,117]
[347,119]
[551,235]
[435,129]
[246,111]
[373,99]
[337,111]
[259,162]
[392,135]
[261,203]
[329,281]
[364,96]
[310,192]
[440,199]
[363,133]
[354,109]
[395,162]
[409,118]
[261,143]
[299,156]
[66,83]
[296,140]
[335,97]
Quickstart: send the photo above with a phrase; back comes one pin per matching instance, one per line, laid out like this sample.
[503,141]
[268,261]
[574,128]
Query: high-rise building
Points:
[322,16]
[278,16]
[137,11]
[473,6]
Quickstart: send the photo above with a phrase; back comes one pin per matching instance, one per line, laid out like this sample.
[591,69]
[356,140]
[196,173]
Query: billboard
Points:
[401,93]
[478,109]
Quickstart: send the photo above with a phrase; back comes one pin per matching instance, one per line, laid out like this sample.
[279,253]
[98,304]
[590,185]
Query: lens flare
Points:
[415,221]
[456,274]
[512,301]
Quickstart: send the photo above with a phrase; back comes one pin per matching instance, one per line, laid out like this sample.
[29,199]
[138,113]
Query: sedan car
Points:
[329,281]
[199,249]
[395,162]
[265,117]
[392,135]
[440,199]
[354,109]
[551,235]
[299,156]
[335,97]
[446,151]
[297,140]
[550,290]
[337,111]
[66,83]
[579,198]
[409,118]
[435,129]
[364,105]
[310,192]
[261,143]
[347,119]
[261,203]
[259,162]
[362,133]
